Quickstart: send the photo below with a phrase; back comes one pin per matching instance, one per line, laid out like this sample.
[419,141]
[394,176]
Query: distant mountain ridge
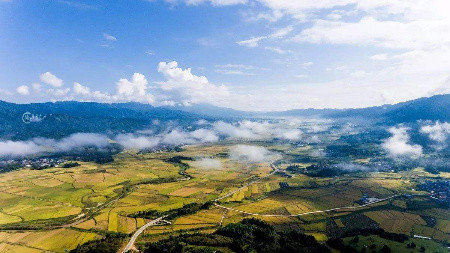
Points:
[427,108]
[64,118]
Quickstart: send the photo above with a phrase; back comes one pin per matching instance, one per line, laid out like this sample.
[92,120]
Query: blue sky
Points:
[244,54]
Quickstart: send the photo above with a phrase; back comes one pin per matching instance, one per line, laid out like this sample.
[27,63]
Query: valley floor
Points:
[54,210]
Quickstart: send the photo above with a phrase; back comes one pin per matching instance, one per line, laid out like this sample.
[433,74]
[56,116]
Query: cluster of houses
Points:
[439,190]
[42,163]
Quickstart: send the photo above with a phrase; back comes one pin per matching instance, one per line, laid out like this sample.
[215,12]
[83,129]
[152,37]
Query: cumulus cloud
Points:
[81,90]
[50,79]
[248,153]
[208,163]
[23,90]
[438,132]
[134,89]
[398,145]
[181,86]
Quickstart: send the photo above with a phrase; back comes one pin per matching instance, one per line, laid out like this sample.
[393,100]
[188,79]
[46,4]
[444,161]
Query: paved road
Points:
[139,231]
[154,222]
[275,170]
[301,214]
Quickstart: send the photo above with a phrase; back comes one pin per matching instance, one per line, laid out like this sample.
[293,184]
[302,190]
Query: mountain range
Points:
[60,119]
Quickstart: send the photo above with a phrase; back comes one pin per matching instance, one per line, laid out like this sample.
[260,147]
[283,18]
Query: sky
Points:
[253,55]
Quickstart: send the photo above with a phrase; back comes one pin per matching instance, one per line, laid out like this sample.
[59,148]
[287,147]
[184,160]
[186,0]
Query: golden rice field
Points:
[101,198]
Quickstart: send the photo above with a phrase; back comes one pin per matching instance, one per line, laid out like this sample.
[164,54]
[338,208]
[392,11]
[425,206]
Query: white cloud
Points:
[236,66]
[109,37]
[233,131]
[248,153]
[438,132]
[50,79]
[233,72]
[379,57]
[398,145]
[5,92]
[278,50]
[276,34]
[334,16]
[18,148]
[237,69]
[78,5]
[81,140]
[204,135]
[252,42]
[386,34]
[23,90]
[179,137]
[81,90]
[186,88]
[134,90]
[36,87]
[136,86]
[292,135]
[39,145]
[214,2]
[131,141]
[253,130]
[58,92]
[208,163]
[85,94]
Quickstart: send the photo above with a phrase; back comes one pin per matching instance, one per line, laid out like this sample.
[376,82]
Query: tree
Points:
[411,245]
[386,249]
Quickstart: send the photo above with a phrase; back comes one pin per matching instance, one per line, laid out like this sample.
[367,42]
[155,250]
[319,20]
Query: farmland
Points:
[44,210]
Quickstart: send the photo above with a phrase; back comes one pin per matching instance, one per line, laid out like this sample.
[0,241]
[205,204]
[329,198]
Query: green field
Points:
[61,208]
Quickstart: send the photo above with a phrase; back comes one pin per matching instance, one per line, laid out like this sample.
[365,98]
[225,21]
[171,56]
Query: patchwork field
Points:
[61,208]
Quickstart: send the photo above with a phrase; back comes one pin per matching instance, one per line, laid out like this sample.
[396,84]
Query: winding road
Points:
[154,222]
[139,231]
[275,170]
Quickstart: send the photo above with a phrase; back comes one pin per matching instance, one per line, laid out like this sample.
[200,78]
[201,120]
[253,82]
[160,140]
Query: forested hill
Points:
[64,118]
